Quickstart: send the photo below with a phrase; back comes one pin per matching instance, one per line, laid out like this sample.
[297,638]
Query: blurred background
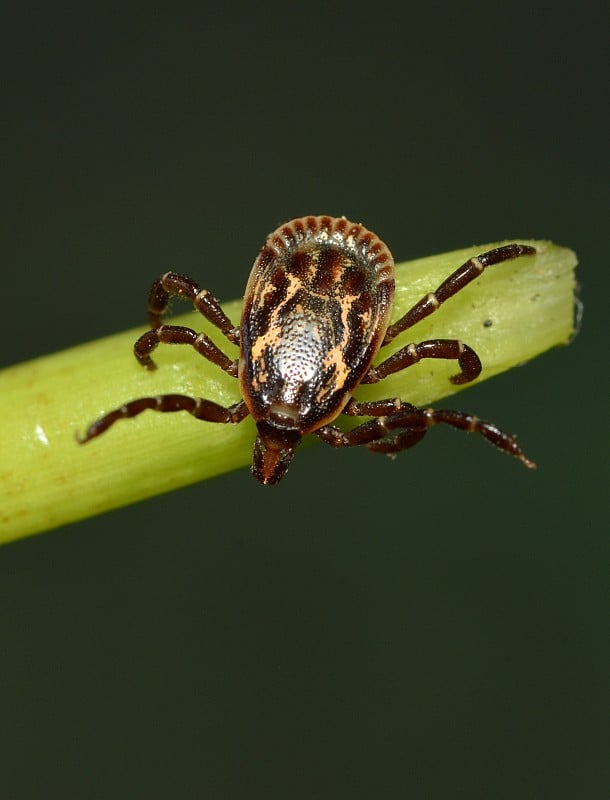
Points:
[434,627]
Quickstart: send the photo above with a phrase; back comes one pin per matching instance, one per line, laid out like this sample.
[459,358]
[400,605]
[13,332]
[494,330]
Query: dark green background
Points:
[431,627]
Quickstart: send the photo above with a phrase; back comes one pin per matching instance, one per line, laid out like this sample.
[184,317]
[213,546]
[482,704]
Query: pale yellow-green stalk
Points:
[47,479]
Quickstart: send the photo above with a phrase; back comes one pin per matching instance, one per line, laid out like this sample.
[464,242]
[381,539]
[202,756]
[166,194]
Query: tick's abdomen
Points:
[299,359]
[315,314]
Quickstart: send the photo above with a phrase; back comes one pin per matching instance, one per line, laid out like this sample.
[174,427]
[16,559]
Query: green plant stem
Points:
[47,479]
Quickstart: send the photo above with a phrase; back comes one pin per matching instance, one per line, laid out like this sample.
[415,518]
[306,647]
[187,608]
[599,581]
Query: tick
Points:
[316,312]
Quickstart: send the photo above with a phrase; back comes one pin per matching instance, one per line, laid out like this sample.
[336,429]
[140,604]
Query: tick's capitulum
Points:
[316,312]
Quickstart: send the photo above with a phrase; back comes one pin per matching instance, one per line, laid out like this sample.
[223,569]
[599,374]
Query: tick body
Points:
[316,312]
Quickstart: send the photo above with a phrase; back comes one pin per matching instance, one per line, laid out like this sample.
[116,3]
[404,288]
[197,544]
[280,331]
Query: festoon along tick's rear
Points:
[316,312]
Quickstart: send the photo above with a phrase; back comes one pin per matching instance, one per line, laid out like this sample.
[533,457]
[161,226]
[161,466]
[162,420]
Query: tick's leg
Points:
[172,284]
[411,421]
[388,445]
[176,334]
[205,410]
[455,283]
[377,408]
[470,364]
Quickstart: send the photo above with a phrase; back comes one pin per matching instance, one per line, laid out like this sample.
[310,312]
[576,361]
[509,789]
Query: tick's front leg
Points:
[198,407]
[411,424]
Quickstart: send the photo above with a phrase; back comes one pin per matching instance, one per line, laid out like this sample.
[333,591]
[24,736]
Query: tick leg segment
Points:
[198,407]
[412,424]
[376,408]
[172,284]
[455,283]
[176,334]
[388,445]
[470,364]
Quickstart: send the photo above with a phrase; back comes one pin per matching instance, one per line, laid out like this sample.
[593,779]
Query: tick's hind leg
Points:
[411,424]
[468,360]
[455,283]
[205,410]
[173,284]
[177,334]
